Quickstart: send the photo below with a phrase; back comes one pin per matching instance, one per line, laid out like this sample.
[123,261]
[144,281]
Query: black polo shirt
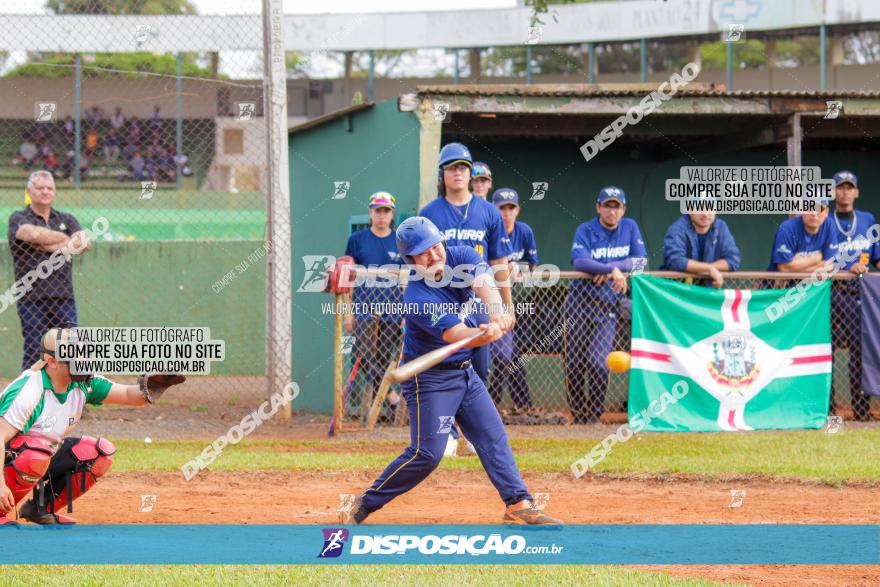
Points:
[26,257]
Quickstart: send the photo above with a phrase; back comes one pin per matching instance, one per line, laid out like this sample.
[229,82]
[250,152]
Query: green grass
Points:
[271,575]
[807,455]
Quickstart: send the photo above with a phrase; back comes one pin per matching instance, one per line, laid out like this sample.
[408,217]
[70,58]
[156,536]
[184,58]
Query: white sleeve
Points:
[24,403]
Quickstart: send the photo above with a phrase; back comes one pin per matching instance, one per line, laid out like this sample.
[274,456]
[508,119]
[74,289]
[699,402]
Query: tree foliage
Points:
[120,7]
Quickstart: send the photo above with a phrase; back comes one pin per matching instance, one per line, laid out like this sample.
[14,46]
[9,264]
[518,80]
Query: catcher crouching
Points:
[35,418]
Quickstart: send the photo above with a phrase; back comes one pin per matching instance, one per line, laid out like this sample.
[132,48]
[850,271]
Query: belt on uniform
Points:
[460,366]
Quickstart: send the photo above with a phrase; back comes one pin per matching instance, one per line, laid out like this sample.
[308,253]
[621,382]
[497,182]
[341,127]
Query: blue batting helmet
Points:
[454,153]
[416,235]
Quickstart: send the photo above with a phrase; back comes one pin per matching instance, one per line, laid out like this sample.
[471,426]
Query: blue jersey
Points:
[854,238]
[792,240]
[594,241]
[522,241]
[477,225]
[430,311]
[369,250]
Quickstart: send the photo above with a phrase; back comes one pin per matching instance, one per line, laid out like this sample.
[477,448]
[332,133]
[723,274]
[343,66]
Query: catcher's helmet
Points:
[416,235]
[49,346]
[454,153]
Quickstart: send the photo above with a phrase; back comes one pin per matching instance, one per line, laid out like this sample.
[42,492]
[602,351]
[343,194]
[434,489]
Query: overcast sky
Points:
[301,6]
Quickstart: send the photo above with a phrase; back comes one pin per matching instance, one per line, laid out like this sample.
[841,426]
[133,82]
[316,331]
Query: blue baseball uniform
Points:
[377,335]
[449,392]
[850,232]
[478,225]
[792,240]
[504,352]
[591,312]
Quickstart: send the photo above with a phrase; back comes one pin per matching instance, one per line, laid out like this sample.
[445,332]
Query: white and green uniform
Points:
[31,405]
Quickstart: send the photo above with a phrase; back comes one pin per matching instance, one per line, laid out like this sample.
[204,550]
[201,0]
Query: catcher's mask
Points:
[49,346]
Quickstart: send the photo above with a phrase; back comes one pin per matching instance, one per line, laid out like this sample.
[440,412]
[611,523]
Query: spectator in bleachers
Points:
[181,162]
[138,166]
[91,142]
[94,117]
[156,126]
[68,131]
[111,146]
[117,121]
[27,154]
[803,244]
[701,244]
[128,151]
[50,162]
[134,132]
[69,165]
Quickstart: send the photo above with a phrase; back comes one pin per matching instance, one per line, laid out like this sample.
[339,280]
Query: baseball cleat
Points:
[525,512]
[31,513]
[355,515]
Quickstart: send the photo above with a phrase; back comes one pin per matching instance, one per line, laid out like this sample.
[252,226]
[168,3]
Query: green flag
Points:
[745,361]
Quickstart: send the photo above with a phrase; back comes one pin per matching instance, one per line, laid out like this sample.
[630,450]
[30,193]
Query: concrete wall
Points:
[162,284]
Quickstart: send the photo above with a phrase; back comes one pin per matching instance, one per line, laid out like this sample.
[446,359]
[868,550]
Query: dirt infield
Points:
[311,498]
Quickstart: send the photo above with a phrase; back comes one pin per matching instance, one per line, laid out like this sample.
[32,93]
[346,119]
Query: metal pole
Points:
[456,77]
[77,119]
[279,325]
[371,75]
[823,57]
[729,66]
[591,63]
[643,49]
[178,115]
[528,64]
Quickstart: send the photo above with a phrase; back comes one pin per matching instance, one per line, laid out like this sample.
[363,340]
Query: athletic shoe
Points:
[355,515]
[30,512]
[525,512]
[451,447]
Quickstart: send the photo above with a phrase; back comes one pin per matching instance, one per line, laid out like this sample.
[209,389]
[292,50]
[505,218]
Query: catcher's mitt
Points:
[153,386]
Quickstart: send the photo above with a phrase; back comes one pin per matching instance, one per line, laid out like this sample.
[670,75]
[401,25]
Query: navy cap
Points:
[611,193]
[503,196]
[845,177]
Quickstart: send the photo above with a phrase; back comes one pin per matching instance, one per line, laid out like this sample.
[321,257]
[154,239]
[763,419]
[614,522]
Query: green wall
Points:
[163,284]
[374,149]
[574,184]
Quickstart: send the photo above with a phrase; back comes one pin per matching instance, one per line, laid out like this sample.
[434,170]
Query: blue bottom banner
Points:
[748,544]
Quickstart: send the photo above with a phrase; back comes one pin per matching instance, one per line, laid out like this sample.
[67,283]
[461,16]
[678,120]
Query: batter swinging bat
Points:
[428,360]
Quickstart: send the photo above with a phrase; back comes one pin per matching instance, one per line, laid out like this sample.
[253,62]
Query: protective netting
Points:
[161,157]
[552,368]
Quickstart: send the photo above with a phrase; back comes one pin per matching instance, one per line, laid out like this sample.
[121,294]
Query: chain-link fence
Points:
[552,368]
[160,155]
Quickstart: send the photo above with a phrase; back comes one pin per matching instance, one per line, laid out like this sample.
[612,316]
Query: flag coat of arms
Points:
[742,369]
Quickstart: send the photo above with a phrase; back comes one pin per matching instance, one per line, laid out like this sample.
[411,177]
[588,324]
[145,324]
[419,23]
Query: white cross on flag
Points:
[743,371]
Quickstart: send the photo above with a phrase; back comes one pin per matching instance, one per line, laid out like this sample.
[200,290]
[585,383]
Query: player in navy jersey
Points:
[482,179]
[506,372]
[377,334]
[850,227]
[437,316]
[607,247]
[468,221]
[804,243]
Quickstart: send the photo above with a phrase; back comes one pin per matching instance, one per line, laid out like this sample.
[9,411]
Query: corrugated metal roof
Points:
[328,117]
[610,90]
